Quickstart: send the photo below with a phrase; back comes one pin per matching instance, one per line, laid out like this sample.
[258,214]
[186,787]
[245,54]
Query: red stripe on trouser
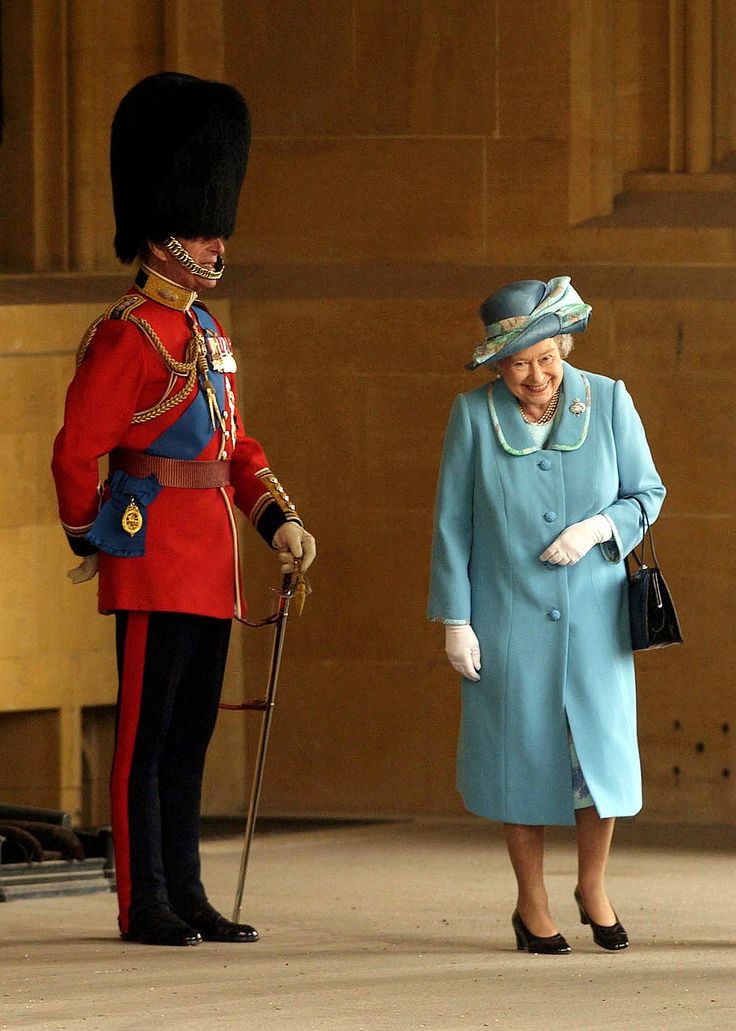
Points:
[131,687]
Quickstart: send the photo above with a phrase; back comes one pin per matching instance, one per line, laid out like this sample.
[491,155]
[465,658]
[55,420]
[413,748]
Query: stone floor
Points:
[391,926]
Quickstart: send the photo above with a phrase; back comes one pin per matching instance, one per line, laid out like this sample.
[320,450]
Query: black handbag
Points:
[652,613]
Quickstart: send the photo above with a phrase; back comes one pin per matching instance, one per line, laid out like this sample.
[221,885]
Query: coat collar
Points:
[164,291]
[570,427]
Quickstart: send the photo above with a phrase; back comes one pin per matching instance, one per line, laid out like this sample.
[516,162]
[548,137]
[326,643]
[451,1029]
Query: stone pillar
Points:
[34,163]
[698,85]
[677,86]
[592,184]
[194,40]
[101,70]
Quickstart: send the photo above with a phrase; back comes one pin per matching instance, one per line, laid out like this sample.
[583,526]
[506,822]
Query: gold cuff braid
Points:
[273,492]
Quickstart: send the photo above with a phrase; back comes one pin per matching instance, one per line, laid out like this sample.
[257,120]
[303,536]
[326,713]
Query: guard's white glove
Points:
[577,540]
[86,570]
[463,650]
[292,541]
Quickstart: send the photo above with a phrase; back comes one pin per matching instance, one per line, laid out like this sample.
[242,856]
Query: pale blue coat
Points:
[554,639]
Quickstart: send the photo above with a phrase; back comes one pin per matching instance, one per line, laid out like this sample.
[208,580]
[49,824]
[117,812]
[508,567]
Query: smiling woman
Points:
[535,513]
[534,376]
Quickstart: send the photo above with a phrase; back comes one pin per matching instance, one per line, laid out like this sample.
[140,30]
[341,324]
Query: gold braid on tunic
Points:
[195,362]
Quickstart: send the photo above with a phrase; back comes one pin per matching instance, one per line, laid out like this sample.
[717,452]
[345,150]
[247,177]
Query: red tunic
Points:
[191,550]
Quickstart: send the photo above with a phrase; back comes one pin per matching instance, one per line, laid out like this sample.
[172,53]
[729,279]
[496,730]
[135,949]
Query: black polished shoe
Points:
[214,927]
[554,945]
[160,927]
[612,937]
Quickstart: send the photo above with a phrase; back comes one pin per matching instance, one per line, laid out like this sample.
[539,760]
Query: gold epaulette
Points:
[124,307]
[120,309]
[273,492]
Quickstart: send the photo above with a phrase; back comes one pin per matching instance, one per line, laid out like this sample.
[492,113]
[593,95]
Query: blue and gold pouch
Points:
[121,524]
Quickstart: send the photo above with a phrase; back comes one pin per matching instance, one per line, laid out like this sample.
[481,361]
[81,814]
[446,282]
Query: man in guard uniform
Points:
[155,391]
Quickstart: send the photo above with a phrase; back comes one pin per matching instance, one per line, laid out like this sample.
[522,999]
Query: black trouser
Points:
[170,670]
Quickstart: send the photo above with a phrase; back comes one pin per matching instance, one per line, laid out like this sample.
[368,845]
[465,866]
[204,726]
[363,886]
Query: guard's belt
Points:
[172,472]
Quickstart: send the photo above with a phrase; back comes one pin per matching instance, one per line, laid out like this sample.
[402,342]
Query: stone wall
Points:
[407,159]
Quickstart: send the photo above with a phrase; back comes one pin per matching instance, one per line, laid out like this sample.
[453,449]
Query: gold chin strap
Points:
[182,255]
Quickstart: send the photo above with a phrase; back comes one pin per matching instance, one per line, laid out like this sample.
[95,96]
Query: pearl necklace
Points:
[549,411]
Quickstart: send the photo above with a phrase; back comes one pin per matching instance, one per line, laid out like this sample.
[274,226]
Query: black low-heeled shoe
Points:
[160,926]
[612,937]
[214,927]
[554,945]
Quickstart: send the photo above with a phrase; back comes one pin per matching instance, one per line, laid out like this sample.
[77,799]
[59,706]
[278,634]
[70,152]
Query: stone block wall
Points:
[407,159]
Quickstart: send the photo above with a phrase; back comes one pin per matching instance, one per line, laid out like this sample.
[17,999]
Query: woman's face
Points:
[534,374]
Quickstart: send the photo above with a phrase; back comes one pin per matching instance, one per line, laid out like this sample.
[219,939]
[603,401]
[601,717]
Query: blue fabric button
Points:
[554,615]
[545,464]
[549,517]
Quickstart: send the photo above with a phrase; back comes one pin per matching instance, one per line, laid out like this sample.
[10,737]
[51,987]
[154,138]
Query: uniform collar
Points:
[164,291]
[570,427]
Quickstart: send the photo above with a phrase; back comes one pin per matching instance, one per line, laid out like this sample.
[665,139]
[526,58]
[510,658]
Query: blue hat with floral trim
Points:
[526,312]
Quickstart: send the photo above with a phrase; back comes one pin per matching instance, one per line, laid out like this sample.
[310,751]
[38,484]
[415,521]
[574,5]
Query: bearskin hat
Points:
[178,154]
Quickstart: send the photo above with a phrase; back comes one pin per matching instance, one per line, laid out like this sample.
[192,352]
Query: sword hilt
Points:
[295,586]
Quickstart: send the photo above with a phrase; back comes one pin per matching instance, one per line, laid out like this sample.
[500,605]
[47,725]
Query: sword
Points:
[294,586]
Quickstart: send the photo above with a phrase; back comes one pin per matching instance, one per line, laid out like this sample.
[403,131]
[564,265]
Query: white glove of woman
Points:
[292,541]
[463,650]
[577,540]
[86,570]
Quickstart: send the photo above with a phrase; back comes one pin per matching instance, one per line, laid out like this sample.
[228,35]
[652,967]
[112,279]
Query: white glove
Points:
[86,570]
[463,650]
[292,541]
[577,540]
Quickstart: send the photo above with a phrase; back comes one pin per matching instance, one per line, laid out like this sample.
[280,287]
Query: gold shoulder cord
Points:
[87,339]
[189,368]
[120,309]
[186,368]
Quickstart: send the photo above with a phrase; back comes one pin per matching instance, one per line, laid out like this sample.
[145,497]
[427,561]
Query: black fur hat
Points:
[178,153]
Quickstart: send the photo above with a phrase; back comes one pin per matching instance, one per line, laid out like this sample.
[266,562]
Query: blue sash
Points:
[185,439]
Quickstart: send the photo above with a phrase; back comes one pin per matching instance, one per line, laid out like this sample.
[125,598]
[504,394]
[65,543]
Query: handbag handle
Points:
[646,537]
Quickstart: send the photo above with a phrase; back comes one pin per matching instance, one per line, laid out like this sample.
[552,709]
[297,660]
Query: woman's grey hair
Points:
[564,343]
